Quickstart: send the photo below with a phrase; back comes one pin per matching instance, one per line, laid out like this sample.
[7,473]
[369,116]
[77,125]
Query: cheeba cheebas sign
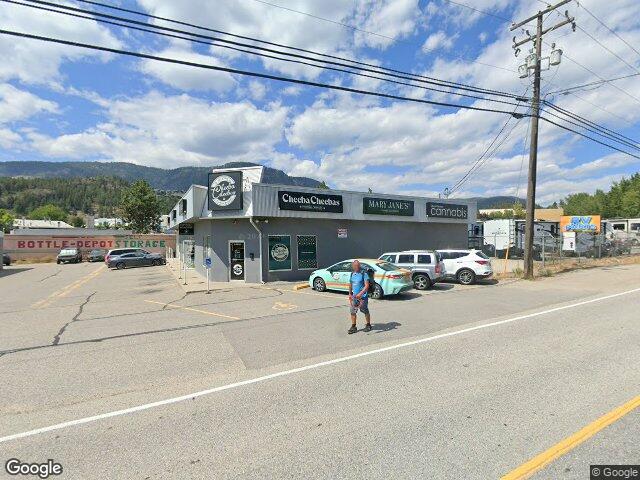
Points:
[225,191]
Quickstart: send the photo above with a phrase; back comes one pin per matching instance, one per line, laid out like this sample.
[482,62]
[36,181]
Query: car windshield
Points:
[68,251]
[386,266]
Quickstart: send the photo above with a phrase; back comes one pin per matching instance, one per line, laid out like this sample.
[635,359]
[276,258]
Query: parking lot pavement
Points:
[79,341]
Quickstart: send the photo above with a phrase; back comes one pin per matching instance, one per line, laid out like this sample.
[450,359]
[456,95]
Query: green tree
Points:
[630,204]
[48,212]
[324,185]
[76,220]
[6,221]
[141,208]
[518,210]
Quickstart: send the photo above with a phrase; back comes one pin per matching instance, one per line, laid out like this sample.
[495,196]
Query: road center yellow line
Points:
[194,310]
[540,461]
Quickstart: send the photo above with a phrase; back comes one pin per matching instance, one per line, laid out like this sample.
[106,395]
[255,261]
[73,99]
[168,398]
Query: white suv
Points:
[466,266]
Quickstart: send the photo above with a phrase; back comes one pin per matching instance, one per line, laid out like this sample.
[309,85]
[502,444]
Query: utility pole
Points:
[534,62]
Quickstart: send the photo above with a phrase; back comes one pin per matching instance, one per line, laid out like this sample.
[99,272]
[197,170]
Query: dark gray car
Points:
[137,258]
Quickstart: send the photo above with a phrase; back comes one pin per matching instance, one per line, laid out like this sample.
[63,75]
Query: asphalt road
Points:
[137,380]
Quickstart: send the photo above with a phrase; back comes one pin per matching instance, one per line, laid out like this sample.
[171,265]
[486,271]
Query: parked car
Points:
[466,266]
[388,279]
[69,255]
[138,258]
[6,259]
[116,252]
[97,255]
[425,266]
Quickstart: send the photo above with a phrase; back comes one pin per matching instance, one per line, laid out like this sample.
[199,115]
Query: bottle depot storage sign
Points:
[225,191]
[387,206]
[310,202]
[447,210]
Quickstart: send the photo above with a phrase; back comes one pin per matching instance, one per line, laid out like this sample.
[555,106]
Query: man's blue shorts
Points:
[363,306]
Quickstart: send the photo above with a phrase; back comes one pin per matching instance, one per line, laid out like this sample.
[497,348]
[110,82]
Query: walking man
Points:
[358,297]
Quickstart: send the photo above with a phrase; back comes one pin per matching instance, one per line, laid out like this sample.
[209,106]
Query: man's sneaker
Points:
[353,329]
[367,327]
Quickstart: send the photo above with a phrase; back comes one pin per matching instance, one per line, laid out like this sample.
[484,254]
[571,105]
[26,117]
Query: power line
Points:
[245,72]
[565,91]
[478,161]
[605,130]
[213,43]
[265,42]
[317,17]
[607,27]
[590,138]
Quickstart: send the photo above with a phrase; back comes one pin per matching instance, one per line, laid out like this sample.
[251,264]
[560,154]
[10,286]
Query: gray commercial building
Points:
[251,231]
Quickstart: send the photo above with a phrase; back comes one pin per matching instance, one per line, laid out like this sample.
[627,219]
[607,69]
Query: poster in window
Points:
[279,252]
[307,252]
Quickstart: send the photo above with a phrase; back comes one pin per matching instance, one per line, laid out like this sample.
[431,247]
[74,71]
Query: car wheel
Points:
[421,281]
[466,276]
[377,292]
[58,262]
[156,263]
[120,266]
[319,285]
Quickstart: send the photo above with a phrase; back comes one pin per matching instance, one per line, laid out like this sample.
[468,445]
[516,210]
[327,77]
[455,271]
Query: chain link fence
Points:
[507,251]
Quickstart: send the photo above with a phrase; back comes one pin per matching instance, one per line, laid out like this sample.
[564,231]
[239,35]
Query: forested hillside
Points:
[99,196]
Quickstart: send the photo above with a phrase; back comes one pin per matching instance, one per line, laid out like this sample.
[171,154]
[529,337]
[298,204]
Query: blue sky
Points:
[58,103]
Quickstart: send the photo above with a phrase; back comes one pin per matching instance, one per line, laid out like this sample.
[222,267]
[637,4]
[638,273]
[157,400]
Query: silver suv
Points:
[425,265]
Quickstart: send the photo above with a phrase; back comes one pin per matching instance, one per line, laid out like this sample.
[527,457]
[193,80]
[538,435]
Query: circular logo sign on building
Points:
[223,190]
[237,269]
[279,252]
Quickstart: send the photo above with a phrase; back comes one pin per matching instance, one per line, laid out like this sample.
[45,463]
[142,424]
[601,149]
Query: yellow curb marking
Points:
[193,310]
[283,306]
[301,286]
[538,462]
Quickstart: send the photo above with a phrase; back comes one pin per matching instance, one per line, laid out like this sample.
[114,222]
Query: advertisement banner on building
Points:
[387,206]
[310,202]
[447,210]
[580,223]
[279,252]
[26,247]
[225,191]
[185,229]
[307,252]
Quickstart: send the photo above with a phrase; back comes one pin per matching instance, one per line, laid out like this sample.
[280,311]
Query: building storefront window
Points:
[307,252]
[279,252]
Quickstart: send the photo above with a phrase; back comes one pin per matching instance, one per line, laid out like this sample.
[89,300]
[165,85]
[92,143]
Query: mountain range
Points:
[176,179]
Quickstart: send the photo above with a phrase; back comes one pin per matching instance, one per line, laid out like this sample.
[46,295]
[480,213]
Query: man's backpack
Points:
[370,275]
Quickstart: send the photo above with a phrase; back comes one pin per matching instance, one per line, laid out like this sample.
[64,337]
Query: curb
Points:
[301,286]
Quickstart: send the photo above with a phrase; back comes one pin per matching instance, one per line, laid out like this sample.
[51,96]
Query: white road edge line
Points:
[169,401]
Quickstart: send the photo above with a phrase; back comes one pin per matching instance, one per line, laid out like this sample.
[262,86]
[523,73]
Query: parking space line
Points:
[206,312]
[540,461]
[305,368]
[64,291]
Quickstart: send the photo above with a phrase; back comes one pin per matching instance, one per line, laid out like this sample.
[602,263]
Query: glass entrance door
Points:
[236,260]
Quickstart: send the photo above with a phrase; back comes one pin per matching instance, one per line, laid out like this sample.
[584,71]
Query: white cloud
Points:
[34,61]
[18,104]
[185,77]
[436,41]
[391,20]
[170,131]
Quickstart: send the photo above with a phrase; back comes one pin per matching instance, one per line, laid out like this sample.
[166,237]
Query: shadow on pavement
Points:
[384,327]
[6,271]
